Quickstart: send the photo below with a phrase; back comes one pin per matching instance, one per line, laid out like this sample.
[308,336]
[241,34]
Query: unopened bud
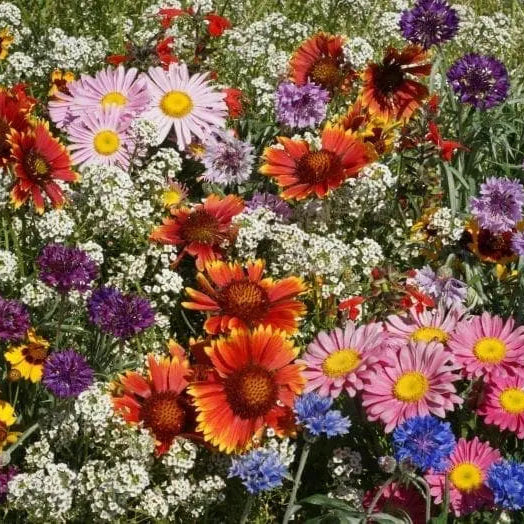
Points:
[13,375]
[387,464]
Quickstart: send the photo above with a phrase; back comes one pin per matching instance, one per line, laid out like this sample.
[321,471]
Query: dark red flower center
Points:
[3,432]
[251,392]
[326,72]
[316,167]
[36,166]
[164,414]
[495,246]
[201,227]
[244,299]
[35,353]
[388,78]
[5,147]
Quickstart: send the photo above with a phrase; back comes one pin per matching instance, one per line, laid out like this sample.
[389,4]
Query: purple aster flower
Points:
[227,159]
[122,316]
[6,474]
[271,202]
[301,106]
[443,287]
[14,320]
[479,80]
[429,22]
[517,243]
[67,374]
[66,268]
[499,207]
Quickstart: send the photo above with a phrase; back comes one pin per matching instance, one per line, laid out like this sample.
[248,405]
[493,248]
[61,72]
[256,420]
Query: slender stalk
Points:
[377,496]
[27,433]
[60,319]
[296,484]
[445,504]
[247,509]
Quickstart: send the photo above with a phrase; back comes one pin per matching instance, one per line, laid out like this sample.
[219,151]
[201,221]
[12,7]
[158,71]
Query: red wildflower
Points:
[446,147]
[217,24]
[167,15]
[414,298]
[234,101]
[164,51]
[352,306]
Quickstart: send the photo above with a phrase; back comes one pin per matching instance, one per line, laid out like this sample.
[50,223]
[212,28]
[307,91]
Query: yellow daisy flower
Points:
[6,39]
[29,358]
[7,419]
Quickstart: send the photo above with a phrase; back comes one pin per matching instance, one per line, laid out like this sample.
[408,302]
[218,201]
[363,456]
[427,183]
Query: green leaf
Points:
[327,502]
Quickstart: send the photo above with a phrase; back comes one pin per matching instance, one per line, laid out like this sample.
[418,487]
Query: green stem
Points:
[296,484]
[60,319]
[27,433]
[247,509]
[377,496]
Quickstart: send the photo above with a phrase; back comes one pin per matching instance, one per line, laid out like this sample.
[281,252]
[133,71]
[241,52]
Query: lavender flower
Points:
[301,106]
[443,287]
[66,268]
[429,22]
[517,243]
[14,320]
[479,80]
[67,374]
[271,202]
[499,207]
[122,316]
[227,159]
[6,475]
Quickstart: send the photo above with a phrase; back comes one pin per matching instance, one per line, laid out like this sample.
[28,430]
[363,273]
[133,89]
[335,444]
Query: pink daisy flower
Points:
[337,360]
[485,346]
[61,105]
[397,497]
[417,380]
[423,326]
[125,89]
[503,404]
[187,104]
[468,466]
[101,138]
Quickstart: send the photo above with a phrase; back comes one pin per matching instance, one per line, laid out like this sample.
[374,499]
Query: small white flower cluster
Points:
[39,454]
[8,266]
[143,134]
[55,225]
[358,52]
[181,456]
[94,250]
[398,241]
[94,411]
[44,494]
[126,269]
[35,293]
[343,467]
[286,448]
[10,15]
[5,187]
[448,228]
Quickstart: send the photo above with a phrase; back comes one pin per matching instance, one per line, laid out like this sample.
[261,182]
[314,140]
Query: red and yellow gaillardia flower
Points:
[254,377]
[39,160]
[6,39]
[390,90]
[159,400]
[203,230]
[303,172]
[15,106]
[240,298]
[320,59]
[59,81]
[7,419]
[28,358]
[490,247]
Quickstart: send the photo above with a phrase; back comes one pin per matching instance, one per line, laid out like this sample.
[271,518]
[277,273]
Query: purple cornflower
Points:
[227,159]
[67,374]
[517,243]
[66,268]
[443,287]
[122,316]
[271,202]
[14,320]
[6,474]
[301,106]
[499,207]
[479,80]
[429,22]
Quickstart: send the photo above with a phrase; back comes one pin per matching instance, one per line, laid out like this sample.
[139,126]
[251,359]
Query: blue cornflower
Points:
[314,413]
[425,441]
[506,480]
[259,470]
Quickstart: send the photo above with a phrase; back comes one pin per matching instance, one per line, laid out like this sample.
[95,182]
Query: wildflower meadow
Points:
[262,261]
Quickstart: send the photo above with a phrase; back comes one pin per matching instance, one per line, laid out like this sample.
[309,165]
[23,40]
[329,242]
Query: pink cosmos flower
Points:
[101,138]
[467,472]
[503,404]
[187,104]
[337,360]
[485,346]
[423,326]
[417,380]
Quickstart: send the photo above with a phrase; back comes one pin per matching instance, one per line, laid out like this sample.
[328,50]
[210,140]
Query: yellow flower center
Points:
[490,350]
[429,334]
[172,197]
[106,142]
[341,362]
[411,386]
[176,104]
[512,400]
[113,98]
[466,477]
